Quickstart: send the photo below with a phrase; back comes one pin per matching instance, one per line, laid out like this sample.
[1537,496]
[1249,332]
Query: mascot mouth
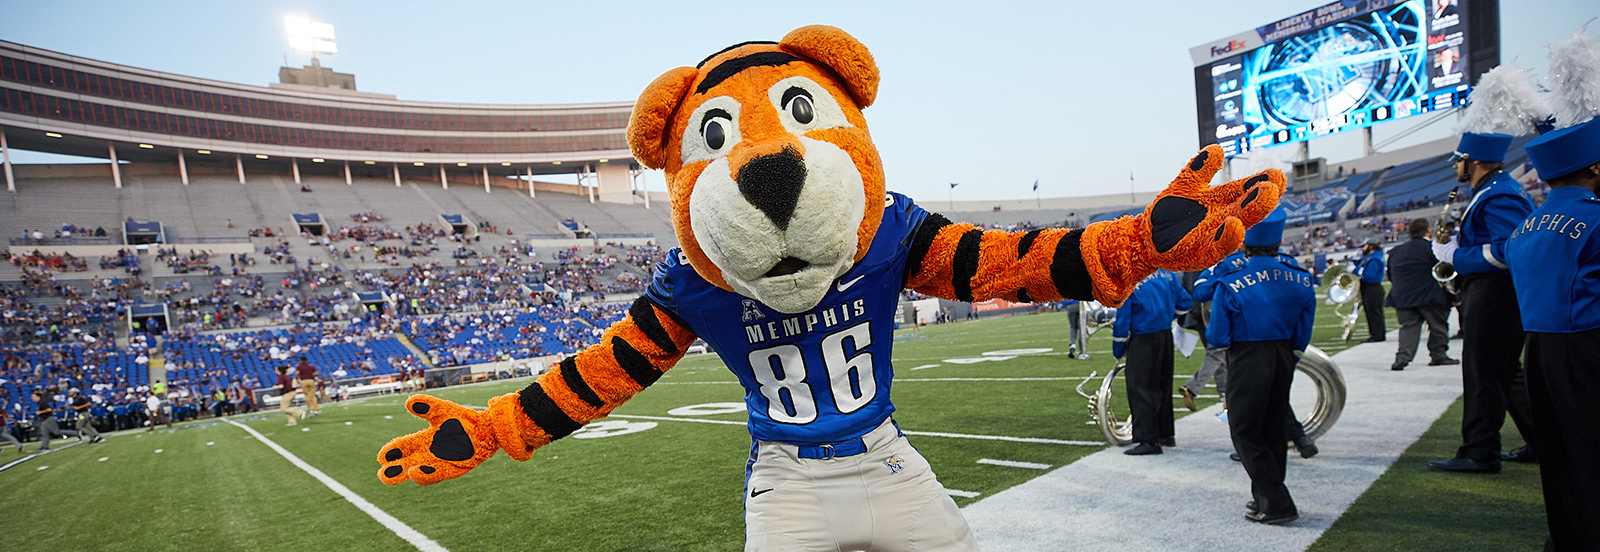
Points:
[786,266]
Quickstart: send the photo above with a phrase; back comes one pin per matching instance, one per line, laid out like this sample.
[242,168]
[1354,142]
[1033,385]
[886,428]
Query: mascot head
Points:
[776,187]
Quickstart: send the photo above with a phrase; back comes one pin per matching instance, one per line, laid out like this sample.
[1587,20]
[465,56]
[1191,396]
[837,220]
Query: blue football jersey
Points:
[817,377]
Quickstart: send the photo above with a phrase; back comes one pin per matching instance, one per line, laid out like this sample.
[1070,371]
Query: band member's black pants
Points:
[1259,376]
[1492,378]
[1563,380]
[1149,382]
[1372,304]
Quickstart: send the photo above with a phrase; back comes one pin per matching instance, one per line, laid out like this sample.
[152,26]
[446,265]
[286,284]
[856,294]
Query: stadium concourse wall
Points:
[42,172]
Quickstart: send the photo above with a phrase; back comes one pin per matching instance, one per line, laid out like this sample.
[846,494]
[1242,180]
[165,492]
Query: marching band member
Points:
[1143,334]
[1281,304]
[1491,347]
[1555,260]
[1370,268]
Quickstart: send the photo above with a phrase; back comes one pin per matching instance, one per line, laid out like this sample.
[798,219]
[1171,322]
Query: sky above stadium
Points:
[991,95]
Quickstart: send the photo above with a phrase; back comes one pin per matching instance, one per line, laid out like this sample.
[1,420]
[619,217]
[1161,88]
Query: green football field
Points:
[648,478]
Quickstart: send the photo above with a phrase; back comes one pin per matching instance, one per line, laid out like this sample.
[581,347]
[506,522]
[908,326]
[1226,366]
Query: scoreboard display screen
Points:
[1342,66]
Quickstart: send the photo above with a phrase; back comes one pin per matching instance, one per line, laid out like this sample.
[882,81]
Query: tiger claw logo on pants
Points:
[895,464]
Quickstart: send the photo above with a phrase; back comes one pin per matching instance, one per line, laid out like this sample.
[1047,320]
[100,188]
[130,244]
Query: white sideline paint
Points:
[918,433]
[1014,464]
[1192,497]
[14,463]
[417,539]
[960,494]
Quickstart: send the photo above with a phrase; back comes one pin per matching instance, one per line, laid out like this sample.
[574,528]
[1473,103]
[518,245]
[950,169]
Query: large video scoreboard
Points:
[1342,66]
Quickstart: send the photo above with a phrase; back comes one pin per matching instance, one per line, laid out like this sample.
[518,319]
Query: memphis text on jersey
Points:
[761,332]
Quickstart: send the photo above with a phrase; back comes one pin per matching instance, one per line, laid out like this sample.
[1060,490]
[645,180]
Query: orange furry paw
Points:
[457,439]
[1189,226]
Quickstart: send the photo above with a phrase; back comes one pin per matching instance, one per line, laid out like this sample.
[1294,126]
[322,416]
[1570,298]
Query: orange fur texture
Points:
[1120,253]
[662,113]
[505,425]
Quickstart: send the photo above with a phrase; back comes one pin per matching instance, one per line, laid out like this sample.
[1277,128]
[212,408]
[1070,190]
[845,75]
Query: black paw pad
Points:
[427,469]
[392,471]
[1199,161]
[1250,197]
[420,408]
[1257,179]
[1173,218]
[451,442]
[392,455]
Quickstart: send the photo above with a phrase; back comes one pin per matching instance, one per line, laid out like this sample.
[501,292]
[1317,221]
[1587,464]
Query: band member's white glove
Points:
[1445,252]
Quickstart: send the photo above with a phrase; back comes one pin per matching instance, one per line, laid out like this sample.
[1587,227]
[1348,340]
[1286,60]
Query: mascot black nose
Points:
[772,183]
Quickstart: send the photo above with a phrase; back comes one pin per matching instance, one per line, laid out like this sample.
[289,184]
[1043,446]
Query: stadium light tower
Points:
[306,35]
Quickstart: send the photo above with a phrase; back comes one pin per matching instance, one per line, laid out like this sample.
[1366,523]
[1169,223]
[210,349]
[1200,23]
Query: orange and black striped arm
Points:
[631,355]
[1190,225]
[961,262]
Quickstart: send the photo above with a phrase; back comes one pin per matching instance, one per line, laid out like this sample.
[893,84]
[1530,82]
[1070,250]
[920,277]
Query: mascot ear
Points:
[647,128]
[841,52]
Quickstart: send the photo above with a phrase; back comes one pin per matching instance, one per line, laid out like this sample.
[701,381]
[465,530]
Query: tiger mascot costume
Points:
[791,264]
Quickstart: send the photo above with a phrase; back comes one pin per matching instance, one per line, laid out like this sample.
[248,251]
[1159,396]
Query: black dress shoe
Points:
[1143,449]
[1306,446]
[1446,361]
[1464,465]
[1397,367]
[1251,506]
[1521,455]
[1234,456]
[1272,519]
[1169,441]
[1373,340]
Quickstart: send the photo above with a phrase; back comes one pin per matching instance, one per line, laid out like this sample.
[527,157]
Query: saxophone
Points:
[1443,271]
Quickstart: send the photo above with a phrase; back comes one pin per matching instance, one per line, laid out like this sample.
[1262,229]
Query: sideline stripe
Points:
[417,539]
[962,494]
[14,463]
[918,433]
[1004,438]
[1014,464]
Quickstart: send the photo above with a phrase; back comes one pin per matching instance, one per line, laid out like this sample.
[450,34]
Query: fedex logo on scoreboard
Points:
[1217,51]
[1230,46]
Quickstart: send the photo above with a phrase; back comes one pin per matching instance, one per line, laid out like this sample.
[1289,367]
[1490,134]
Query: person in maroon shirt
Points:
[308,384]
[285,400]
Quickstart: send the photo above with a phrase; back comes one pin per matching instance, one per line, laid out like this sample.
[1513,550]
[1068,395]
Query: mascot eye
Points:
[800,108]
[715,135]
[798,101]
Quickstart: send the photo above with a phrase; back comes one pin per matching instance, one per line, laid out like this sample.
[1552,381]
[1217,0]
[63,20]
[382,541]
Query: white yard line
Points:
[13,463]
[417,539]
[1014,464]
[960,494]
[1037,440]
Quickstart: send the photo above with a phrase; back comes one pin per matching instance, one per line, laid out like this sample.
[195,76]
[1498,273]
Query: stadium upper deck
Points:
[57,103]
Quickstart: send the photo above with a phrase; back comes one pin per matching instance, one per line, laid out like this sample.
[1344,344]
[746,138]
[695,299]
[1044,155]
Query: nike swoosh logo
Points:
[846,285]
[754,493]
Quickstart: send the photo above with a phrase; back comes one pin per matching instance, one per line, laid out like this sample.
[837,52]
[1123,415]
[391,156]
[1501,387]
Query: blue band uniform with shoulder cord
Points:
[1262,313]
[1555,262]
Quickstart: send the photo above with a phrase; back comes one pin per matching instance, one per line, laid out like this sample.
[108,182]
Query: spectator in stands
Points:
[44,418]
[308,384]
[1417,298]
[286,388]
[85,424]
